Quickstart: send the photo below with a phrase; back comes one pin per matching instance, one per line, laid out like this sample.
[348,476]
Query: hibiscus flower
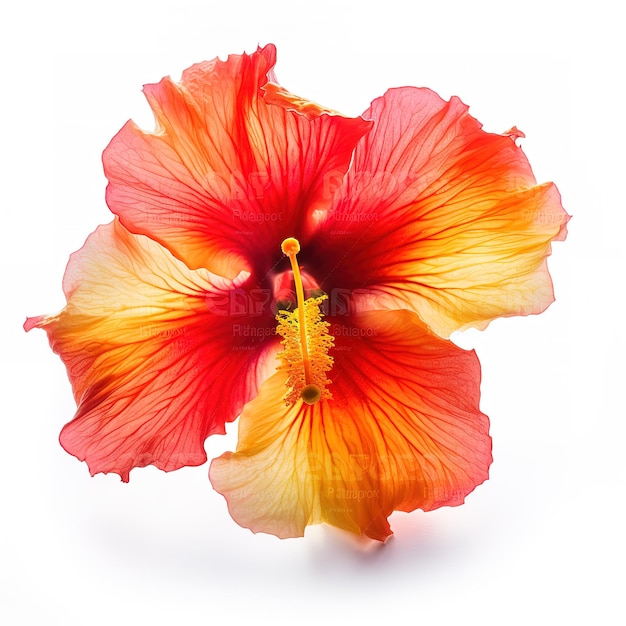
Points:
[275,260]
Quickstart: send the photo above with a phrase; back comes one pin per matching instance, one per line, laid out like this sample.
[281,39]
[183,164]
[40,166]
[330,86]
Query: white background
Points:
[541,542]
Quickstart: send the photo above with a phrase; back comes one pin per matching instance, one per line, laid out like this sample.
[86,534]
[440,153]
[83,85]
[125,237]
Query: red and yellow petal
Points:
[155,364]
[442,217]
[234,161]
[402,431]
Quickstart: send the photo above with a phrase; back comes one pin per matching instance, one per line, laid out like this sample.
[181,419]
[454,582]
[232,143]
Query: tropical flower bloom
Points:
[273,259]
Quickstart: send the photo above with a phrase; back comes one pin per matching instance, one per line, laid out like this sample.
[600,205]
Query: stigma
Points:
[306,340]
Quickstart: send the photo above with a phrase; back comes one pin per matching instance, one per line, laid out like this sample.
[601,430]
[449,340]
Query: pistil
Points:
[291,247]
[306,340]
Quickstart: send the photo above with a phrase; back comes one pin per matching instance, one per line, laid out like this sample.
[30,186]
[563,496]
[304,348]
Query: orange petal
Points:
[402,431]
[154,366]
[226,167]
[448,220]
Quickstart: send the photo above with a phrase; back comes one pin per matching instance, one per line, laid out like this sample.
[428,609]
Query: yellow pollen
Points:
[306,340]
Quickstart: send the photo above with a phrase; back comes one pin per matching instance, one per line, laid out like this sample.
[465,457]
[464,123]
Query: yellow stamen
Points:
[306,340]
[291,247]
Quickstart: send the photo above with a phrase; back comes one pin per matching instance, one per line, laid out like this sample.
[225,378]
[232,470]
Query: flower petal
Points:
[402,431]
[442,217]
[154,366]
[226,167]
